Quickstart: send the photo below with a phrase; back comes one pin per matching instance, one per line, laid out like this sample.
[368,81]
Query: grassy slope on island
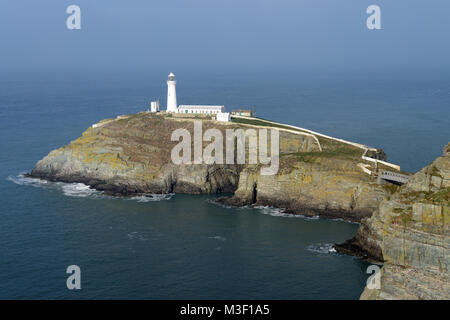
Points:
[330,148]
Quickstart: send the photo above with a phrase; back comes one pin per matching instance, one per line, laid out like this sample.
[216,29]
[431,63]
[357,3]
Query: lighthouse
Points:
[171,94]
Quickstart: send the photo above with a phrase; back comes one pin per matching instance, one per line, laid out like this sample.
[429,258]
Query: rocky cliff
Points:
[409,232]
[316,184]
[132,154]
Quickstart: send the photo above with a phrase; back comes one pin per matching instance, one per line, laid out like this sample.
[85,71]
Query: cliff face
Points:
[410,233]
[318,185]
[132,154]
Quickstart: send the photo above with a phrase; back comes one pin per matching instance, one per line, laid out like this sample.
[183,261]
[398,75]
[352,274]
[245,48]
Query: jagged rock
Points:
[410,233]
[330,187]
[446,150]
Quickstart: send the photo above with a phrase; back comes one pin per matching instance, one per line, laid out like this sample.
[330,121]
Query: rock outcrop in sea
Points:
[409,233]
[132,154]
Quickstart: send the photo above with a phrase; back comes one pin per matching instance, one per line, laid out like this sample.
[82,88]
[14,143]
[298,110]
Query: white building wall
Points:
[196,109]
[154,106]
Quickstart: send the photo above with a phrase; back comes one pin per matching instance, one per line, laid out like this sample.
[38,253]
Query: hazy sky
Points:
[261,33]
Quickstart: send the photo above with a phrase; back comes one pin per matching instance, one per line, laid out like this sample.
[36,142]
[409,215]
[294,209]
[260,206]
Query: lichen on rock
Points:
[132,154]
[409,232]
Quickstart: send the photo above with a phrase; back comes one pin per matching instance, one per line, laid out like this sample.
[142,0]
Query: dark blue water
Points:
[184,246]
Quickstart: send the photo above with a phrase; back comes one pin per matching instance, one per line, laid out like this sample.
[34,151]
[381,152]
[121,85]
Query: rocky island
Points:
[405,227]
[132,154]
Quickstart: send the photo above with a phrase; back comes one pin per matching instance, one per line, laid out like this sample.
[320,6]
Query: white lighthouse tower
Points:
[171,94]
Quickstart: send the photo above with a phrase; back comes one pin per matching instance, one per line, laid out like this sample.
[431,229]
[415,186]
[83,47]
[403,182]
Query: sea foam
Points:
[21,180]
[323,248]
[152,197]
[220,238]
[81,190]
[279,212]
[78,190]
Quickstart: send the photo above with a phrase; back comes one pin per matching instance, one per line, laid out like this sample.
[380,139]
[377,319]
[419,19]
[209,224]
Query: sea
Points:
[181,246]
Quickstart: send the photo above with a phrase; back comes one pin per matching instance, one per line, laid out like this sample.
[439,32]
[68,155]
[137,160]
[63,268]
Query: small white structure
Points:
[223,116]
[171,93]
[200,109]
[154,106]
[187,109]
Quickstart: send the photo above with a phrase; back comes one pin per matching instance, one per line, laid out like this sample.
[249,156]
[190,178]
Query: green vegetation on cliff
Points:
[132,154]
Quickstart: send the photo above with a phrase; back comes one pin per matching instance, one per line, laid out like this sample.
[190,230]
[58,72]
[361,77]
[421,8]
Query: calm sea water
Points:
[183,246]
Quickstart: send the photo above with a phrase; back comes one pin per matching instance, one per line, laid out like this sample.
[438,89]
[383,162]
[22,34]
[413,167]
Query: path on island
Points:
[358,145]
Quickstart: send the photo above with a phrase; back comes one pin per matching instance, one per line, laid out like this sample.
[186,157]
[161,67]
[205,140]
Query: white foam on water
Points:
[69,189]
[279,212]
[220,238]
[310,217]
[150,235]
[276,212]
[152,197]
[323,248]
[136,236]
[81,190]
[132,235]
[77,190]
[21,180]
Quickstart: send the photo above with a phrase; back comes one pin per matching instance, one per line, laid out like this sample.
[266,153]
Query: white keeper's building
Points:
[219,111]
[200,109]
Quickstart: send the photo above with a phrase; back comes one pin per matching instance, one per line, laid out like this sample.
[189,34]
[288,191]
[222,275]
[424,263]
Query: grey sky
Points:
[260,33]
